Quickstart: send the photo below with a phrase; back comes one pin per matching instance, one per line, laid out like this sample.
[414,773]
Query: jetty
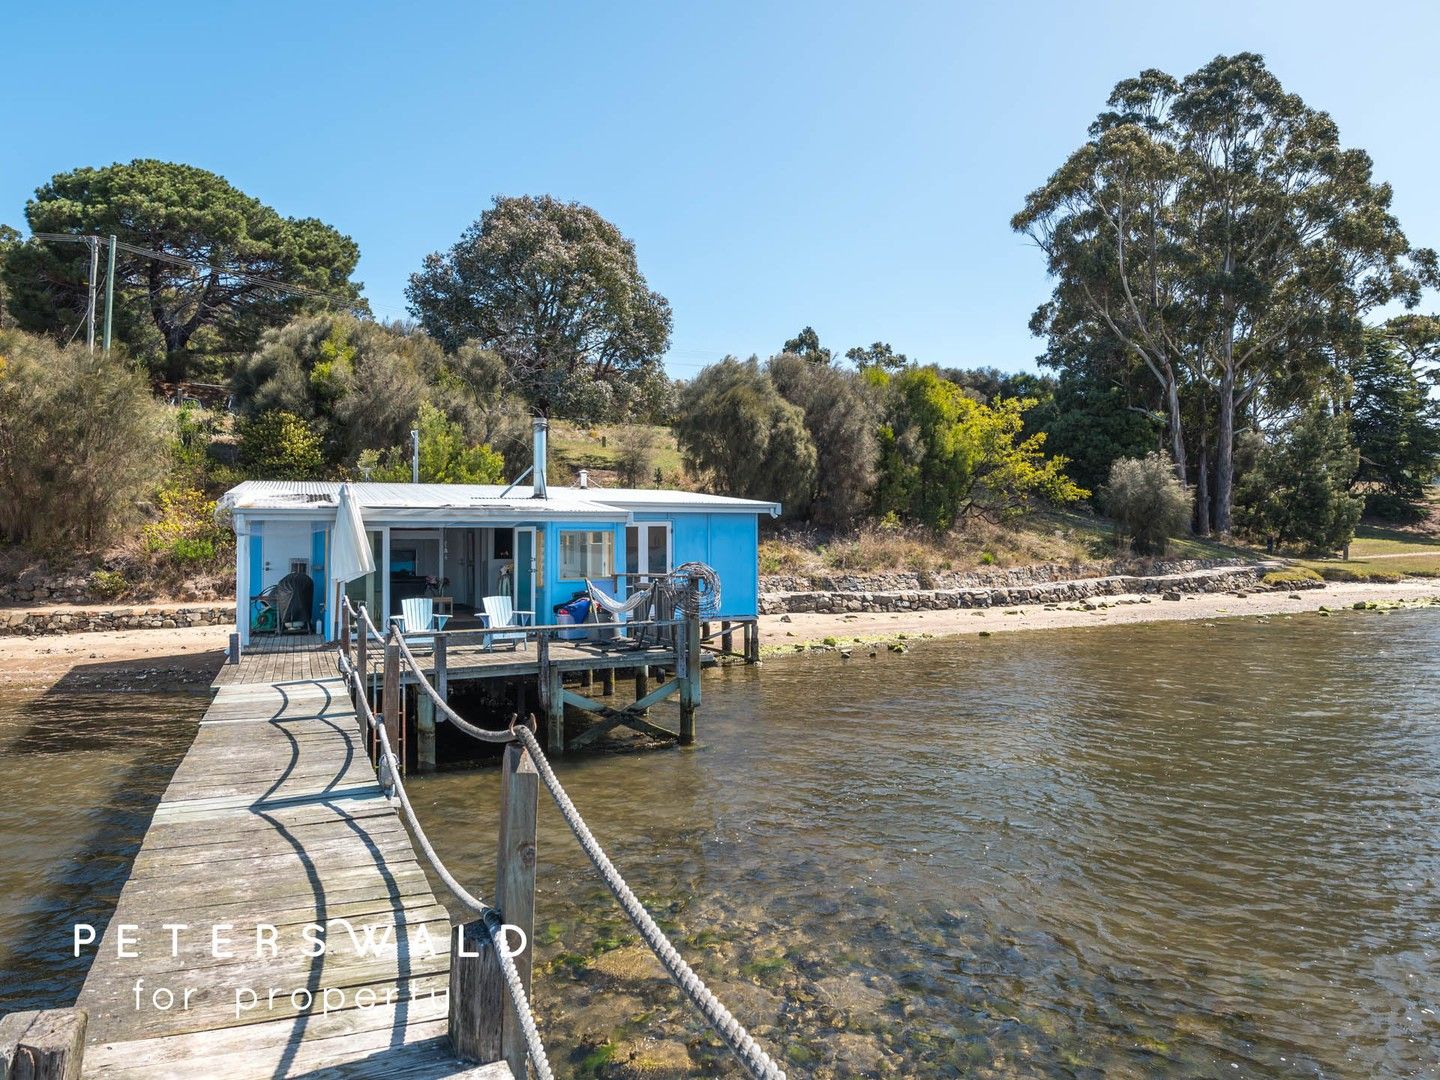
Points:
[287,823]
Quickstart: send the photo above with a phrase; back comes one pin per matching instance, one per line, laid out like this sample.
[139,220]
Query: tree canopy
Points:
[1216,228]
[743,438]
[556,291]
[945,456]
[235,252]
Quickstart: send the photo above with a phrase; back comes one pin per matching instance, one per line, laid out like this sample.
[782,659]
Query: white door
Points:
[284,546]
[647,550]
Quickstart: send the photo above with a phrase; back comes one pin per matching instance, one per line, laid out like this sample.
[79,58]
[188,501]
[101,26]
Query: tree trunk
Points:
[1225,454]
[1177,431]
[1202,489]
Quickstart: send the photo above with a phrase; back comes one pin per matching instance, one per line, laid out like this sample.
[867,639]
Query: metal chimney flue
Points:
[541,428]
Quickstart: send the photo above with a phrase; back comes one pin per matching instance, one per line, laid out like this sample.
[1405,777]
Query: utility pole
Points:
[109,293]
[414,455]
[94,242]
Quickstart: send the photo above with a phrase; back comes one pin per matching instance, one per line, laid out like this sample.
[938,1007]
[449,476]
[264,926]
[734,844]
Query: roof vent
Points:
[584,479]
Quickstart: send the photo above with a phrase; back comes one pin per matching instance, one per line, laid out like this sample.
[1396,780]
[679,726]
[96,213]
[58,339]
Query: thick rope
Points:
[756,1062]
[461,724]
[747,1051]
[491,916]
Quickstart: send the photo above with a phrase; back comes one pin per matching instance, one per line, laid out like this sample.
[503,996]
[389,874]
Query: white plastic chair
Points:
[499,612]
[417,614]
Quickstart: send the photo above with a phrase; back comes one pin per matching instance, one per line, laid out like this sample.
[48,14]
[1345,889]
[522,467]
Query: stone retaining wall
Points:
[1223,578]
[34,622]
[985,578]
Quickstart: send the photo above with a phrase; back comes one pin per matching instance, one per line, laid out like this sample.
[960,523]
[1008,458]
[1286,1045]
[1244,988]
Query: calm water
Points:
[1176,849]
[1181,849]
[82,774]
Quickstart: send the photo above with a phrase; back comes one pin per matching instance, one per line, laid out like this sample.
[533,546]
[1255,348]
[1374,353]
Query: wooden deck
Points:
[275,817]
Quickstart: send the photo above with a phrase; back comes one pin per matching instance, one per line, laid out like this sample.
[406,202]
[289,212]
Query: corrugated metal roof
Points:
[298,494]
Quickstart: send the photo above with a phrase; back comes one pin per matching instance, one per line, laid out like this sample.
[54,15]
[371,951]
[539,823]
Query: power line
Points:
[350,303]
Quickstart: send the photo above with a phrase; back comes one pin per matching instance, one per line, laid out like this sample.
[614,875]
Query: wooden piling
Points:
[727,638]
[690,679]
[607,682]
[642,681]
[362,665]
[424,732]
[477,995]
[552,700]
[515,881]
[43,1044]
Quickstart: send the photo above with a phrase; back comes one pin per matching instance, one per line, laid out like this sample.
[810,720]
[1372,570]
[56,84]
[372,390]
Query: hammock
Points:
[616,607]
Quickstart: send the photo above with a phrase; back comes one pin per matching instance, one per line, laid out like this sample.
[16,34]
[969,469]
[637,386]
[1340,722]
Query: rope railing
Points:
[492,917]
[732,1033]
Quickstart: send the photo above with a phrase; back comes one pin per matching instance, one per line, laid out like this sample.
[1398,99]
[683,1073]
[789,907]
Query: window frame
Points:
[601,539]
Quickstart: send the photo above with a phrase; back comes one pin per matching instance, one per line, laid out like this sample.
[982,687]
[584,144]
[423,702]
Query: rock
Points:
[849,994]
[783,618]
[630,963]
[1170,594]
[652,1059]
[860,1055]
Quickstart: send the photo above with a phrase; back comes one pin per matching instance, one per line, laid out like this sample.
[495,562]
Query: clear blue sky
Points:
[851,166]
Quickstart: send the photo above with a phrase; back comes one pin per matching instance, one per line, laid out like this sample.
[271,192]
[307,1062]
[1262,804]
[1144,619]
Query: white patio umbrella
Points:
[350,555]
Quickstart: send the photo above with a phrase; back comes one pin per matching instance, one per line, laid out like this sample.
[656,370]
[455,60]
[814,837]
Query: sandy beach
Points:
[117,659]
[783,632]
[132,659]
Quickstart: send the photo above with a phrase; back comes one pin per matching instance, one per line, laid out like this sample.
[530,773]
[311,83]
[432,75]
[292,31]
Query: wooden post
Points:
[515,880]
[362,665]
[390,707]
[690,681]
[727,639]
[44,1044]
[642,682]
[233,656]
[442,668]
[607,681]
[552,701]
[424,732]
[587,678]
[477,995]
[752,647]
[342,620]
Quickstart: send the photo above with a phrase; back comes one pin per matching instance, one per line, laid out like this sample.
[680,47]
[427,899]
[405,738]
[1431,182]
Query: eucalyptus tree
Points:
[556,291]
[1216,227]
[229,265]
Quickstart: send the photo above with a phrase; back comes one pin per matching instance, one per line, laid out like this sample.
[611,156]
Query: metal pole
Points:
[414,455]
[94,242]
[109,293]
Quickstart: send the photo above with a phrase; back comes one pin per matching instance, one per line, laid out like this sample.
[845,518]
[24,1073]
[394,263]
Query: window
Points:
[586,554]
[647,548]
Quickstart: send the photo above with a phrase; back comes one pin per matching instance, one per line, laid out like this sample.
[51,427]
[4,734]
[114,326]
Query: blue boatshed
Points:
[537,544]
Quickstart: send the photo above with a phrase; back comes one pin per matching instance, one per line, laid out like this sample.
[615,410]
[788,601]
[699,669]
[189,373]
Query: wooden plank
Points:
[275,817]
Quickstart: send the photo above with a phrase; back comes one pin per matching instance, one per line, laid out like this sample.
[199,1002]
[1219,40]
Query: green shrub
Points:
[1359,573]
[1290,575]
[1147,501]
[192,550]
[278,445]
[82,444]
[108,584]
